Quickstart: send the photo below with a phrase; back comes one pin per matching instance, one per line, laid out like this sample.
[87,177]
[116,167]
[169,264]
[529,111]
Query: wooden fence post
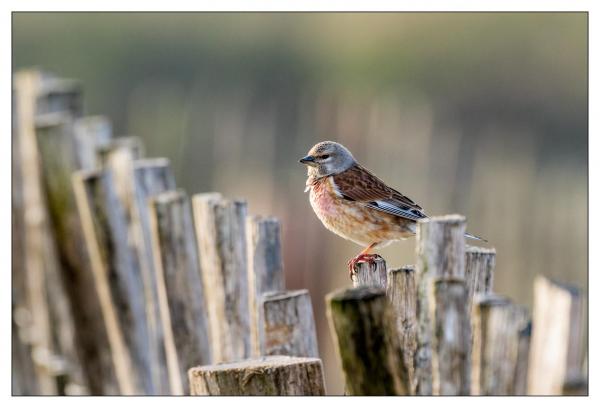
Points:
[100,220]
[58,161]
[451,356]
[498,327]
[402,292]
[557,340]
[289,325]
[92,135]
[440,254]
[265,270]
[367,342]
[180,289]
[479,270]
[220,229]
[44,321]
[273,375]
[370,273]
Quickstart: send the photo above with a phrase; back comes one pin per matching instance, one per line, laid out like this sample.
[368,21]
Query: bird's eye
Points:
[325,156]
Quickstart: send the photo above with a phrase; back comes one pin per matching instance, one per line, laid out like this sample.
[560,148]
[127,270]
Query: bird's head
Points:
[327,158]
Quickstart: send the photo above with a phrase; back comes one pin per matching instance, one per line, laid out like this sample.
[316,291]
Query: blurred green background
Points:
[483,114]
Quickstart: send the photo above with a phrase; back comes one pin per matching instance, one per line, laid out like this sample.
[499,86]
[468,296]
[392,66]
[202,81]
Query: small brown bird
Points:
[356,205]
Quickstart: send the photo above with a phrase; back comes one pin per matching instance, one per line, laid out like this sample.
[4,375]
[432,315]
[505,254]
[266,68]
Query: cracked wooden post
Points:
[402,292]
[220,230]
[58,162]
[135,182]
[92,135]
[557,351]
[367,342]
[499,329]
[479,270]
[440,254]
[266,376]
[180,288]
[289,324]
[451,346]
[370,273]
[265,270]
[103,226]
[42,311]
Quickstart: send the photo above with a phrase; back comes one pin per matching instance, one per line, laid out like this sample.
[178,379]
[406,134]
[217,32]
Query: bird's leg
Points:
[362,256]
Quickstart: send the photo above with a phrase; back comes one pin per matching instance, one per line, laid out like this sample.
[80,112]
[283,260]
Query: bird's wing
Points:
[360,185]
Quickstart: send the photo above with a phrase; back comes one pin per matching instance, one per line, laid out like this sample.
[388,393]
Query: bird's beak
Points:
[308,160]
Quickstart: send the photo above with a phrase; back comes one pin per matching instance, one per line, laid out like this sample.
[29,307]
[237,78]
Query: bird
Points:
[355,204]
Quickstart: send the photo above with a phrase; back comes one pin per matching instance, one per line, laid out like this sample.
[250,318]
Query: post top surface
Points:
[260,363]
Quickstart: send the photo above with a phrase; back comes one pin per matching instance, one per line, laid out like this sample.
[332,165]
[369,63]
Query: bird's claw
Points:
[352,264]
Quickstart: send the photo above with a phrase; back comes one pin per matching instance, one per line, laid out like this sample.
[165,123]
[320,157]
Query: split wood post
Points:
[440,254]
[220,230]
[135,182]
[479,270]
[265,270]
[451,346]
[367,342]
[499,329]
[267,376]
[557,340]
[49,330]
[180,288]
[289,324]
[105,237]
[520,383]
[58,161]
[92,135]
[370,273]
[402,292]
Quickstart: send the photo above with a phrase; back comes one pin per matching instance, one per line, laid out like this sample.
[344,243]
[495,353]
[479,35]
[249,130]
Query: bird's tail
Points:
[471,236]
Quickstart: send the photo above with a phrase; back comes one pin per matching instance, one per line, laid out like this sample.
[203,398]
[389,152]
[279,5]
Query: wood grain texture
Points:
[370,273]
[220,229]
[265,269]
[366,340]
[440,254]
[54,133]
[499,327]
[135,182]
[180,288]
[402,292]
[92,135]
[267,376]
[557,339]
[479,270]
[96,214]
[451,347]
[289,325]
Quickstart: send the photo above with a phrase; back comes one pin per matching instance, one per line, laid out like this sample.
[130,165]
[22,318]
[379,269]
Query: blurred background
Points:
[483,114]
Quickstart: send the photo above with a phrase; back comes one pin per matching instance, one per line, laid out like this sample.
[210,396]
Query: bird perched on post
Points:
[355,204]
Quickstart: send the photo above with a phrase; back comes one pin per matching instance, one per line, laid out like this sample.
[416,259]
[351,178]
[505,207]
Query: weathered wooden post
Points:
[180,288]
[288,325]
[102,222]
[265,270]
[367,342]
[479,270]
[58,161]
[273,375]
[44,321]
[499,342]
[402,292]
[220,230]
[92,135]
[449,313]
[557,340]
[373,273]
[440,254]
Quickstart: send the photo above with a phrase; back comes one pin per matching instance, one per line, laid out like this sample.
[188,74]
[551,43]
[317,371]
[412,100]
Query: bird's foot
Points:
[352,264]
